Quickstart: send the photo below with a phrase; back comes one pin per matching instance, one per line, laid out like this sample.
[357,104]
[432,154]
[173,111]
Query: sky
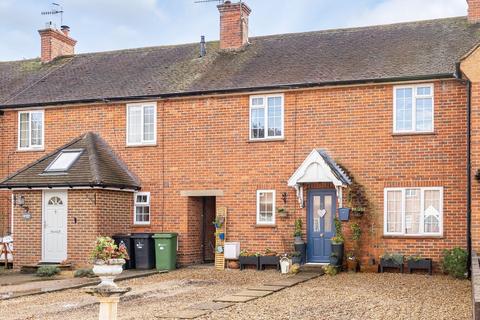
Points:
[103,25]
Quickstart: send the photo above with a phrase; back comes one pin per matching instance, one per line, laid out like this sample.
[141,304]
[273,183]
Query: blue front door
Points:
[320,226]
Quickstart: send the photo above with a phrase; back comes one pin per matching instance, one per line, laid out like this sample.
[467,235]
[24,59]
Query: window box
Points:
[420,264]
[248,261]
[269,261]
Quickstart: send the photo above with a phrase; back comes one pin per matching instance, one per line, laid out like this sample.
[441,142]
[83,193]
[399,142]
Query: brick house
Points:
[252,125]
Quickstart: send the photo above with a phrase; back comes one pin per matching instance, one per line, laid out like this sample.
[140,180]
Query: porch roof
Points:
[96,166]
[319,167]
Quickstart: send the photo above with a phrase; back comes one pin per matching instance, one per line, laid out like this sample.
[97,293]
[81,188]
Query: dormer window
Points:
[64,161]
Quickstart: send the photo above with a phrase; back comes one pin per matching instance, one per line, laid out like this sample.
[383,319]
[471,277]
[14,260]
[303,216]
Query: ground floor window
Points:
[265,206]
[413,211]
[142,208]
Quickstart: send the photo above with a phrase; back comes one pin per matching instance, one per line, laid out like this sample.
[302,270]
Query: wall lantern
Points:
[20,201]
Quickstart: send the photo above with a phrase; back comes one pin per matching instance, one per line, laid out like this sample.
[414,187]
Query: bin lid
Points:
[141,235]
[165,235]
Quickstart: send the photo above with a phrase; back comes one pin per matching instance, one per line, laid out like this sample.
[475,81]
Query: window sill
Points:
[141,145]
[422,237]
[272,226]
[266,140]
[401,134]
[31,150]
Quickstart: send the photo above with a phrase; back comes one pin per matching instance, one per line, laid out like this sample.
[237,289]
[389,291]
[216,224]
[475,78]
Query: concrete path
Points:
[248,294]
[38,286]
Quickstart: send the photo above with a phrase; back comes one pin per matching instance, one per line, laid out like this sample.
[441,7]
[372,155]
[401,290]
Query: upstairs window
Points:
[413,109]
[266,207]
[141,124]
[142,208]
[266,117]
[413,211]
[30,130]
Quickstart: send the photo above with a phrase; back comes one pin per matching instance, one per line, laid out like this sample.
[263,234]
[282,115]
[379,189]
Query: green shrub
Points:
[84,273]
[330,270]
[47,271]
[454,262]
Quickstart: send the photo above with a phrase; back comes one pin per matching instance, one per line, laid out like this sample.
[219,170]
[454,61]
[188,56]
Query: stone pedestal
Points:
[108,296]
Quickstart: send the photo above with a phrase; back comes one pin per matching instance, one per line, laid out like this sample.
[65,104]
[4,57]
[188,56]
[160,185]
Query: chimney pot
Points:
[234,24]
[203,47]
[473,11]
[65,30]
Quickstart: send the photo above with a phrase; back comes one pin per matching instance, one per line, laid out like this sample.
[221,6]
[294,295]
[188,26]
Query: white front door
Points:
[54,226]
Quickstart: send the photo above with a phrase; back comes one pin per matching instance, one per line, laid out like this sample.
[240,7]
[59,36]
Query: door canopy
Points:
[318,167]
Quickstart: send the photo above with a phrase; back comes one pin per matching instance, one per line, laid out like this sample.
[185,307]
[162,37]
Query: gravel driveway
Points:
[346,296]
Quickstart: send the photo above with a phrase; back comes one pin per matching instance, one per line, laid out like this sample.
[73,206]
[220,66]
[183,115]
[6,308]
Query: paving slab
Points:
[185,314]
[266,288]
[253,293]
[309,275]
[235,299]
[212,306]
[285,283]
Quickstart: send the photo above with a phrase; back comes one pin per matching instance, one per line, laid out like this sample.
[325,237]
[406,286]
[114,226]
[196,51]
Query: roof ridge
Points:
[92,157]
[42,159]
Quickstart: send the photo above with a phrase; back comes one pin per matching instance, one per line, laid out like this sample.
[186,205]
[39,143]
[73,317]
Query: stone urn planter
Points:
[107,271]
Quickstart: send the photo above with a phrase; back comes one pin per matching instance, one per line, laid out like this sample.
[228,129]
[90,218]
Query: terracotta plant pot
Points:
[352,265]
[233,264]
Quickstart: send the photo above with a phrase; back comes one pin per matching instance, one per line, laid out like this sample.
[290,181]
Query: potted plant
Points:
[218,222]
[352,262]
[336,258]
[108,259]
[299,244]
[282,212]
[296,257]
[248,259]
[269,258]
[416,262]
[352,257]
[391,260]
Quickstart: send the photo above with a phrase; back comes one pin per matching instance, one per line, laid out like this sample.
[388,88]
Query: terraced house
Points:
[155,139]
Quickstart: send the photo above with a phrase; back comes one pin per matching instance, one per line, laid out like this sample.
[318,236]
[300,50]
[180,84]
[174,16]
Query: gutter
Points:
[469,176]
[68,185]
[236,90]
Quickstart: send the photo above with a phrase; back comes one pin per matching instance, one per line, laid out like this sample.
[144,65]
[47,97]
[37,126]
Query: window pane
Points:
[328,215]
[316,216]
[149,123]
[36,128]
[424,114]
[404,108]
[134,124]
[424,91]
[266,207]
[257,102]
[394,211]
[258,123]
[432,211]
[24,130]
[412,211]
[63,161]
[274,116]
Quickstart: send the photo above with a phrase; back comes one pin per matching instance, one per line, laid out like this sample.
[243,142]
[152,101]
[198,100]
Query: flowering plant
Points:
[107,252]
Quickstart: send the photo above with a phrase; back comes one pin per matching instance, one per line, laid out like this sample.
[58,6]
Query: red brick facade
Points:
[203,144]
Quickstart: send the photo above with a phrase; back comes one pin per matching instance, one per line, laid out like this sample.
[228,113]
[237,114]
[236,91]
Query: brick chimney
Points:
[234,25]
[473,11]
[55,43]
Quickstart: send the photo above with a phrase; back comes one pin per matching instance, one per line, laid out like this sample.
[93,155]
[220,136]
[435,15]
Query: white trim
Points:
[12,213]
[265,107]
[143,142]
[148,204]
[30,147]
[422,233]
[44,203]
[273,207]
[414,107]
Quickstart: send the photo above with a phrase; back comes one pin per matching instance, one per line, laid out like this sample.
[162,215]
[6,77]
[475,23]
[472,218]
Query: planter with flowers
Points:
[108,259]
[336,258]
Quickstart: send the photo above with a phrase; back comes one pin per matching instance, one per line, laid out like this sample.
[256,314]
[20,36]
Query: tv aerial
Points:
[56,9]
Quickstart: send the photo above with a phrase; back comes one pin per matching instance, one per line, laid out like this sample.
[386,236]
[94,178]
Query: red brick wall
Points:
[473,11]
[203,143]
[233,25]
[91,213]
[475,154]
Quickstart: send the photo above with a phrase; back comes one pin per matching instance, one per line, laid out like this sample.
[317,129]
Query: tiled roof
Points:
[97,166]
[423,49]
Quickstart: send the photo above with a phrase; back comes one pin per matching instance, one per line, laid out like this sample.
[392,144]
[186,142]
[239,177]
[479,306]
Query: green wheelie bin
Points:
[166,250]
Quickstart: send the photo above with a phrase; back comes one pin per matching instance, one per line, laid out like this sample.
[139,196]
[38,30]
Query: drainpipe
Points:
[469,176]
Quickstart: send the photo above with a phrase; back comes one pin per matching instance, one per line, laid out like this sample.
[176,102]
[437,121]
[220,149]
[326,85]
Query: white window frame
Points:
[30,147]
[273,207]
[422,233]
[143,142]
[265,107]
[77,151]
[148,204]
[414,107]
